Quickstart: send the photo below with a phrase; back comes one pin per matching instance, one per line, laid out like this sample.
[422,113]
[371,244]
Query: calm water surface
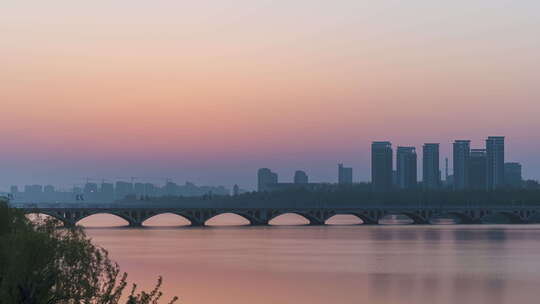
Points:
[330,264]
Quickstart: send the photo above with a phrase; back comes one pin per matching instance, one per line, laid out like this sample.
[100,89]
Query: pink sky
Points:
[211,91]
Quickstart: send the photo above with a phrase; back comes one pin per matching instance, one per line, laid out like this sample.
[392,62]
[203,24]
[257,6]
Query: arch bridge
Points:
[136,216]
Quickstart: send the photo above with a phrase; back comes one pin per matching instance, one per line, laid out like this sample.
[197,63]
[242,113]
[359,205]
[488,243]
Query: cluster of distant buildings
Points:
[474,169]
[109,192]
[267,180]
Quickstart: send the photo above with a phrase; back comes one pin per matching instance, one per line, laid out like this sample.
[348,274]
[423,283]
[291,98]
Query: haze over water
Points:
[330,264]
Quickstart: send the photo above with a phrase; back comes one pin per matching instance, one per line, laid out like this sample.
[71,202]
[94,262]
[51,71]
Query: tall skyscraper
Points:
[478,169]
[431,173]
[266,178]
[406,167]
[512,175]
[345,175]
[381,165]
[495,162]
[300,177]
[462,153]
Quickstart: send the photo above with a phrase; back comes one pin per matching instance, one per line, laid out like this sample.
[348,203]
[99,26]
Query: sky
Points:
[210,91]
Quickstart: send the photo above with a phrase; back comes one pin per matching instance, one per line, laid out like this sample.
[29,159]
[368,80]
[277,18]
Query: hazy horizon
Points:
[210,92]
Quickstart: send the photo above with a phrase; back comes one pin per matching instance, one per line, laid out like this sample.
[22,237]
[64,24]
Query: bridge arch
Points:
[178,216]
[250,219]
[417,219]
[53,215]
[85,215]
[344,219]
[461,216]
[511,217]
[533,217]
[364,217]
[311,219]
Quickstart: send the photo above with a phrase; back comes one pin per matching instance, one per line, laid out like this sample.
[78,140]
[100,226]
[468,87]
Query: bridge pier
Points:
[370,223]
[196,224]
[69,225]
[316,222]
[258,223]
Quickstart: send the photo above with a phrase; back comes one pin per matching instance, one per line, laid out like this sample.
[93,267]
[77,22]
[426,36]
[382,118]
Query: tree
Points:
[41,264]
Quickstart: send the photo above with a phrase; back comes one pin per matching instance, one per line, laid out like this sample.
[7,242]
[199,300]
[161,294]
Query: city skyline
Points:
[475,169]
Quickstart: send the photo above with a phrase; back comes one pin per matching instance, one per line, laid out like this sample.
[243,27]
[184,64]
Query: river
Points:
[286,264]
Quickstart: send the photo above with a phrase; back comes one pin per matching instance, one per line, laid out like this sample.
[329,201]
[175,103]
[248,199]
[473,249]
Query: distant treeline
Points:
[364,194]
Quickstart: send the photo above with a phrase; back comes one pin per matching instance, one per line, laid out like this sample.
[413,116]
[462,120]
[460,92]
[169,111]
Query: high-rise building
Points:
[236,190]
[107,192]
[33,189]
[300,177]
[512,175]
[33,192]
[14,190]
[478,169]
[381,165]
[171,189]
[345,175]
[91,192]
[123,189]
[446,174]
[431,172]
[462,153]
[138,189]
[406,167]
[90,188]
[49,193]
[495,162]
[149,189]
[266,178]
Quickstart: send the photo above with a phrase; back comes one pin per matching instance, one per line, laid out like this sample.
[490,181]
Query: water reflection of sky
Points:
[334,264]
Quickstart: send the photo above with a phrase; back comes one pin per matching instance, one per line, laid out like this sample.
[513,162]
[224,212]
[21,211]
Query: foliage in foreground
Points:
[41,264]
